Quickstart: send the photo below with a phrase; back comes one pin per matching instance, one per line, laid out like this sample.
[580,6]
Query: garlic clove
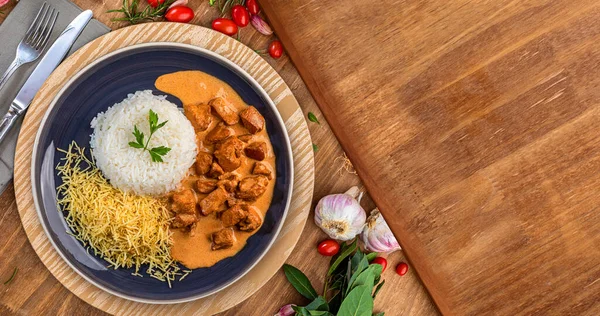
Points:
[377,235]
[260,25]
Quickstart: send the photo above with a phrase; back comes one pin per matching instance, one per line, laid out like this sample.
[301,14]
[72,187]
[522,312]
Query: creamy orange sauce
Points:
[193,249]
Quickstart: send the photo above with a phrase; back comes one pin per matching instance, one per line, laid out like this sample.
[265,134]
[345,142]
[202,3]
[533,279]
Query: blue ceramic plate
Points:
[108,81]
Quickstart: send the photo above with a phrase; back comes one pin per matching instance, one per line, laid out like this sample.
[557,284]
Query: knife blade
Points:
[53,57]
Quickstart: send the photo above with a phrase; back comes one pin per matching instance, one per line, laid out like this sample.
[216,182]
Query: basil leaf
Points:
[318,304]
[313,118]
[356,259]
[318,313]
[299,281]
[367,277]
[371,256]
[379,314]
[315,148]
[136,145]
[362,268]
[301,310]
[343,255]
[358,302]
[378,288]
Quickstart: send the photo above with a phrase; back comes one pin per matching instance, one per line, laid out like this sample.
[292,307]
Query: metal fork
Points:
[33,43]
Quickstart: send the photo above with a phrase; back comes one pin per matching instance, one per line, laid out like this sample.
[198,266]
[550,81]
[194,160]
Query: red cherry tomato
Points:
[225,26]
[181,14]
[401,268]
[252,7]
[155,3]
[240,15]
[382,261]
[328,247]
[275,49]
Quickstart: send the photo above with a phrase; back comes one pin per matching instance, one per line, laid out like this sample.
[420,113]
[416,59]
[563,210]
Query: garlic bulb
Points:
[377,235]
[286,310]
[340,215]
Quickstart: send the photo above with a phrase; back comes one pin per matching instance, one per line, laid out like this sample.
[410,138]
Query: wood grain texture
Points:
[474,126]
[35,291]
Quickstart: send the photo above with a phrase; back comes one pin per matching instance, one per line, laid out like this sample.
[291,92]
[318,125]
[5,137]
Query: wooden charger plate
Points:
[288,108]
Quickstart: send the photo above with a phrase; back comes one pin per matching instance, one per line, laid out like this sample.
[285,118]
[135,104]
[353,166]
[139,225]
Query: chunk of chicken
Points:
[183,220]
[199,115]
[213,201]
[225,238]
[252,221]
[225,110]
[233,215]
[215,170]
[257,151]
[250,188]
[184,201]
[252,120]
[203,162]
[245,138]
[219,133]
[261,168]
[206,185]
[232,201]
[229,153]
[229,181]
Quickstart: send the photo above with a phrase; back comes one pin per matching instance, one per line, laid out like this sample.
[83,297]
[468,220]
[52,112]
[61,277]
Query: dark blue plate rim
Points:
[208,54]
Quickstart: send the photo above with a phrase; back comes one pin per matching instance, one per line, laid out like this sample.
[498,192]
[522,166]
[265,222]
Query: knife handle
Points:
[8,121]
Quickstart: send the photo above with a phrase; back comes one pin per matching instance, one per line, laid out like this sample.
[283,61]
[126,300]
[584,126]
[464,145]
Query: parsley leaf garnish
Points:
[156,153]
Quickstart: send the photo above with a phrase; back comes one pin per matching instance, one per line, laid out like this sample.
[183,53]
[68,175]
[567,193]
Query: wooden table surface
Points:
[35,291]
[474,125]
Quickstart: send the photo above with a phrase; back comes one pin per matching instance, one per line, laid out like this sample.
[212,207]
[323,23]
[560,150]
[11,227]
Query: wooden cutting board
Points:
[475,127]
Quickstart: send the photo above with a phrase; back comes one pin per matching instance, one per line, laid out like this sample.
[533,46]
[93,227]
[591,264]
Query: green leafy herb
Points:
[315,148]
[379,314]
[343,255]
[299,281]
[319,304]
[377,288]
[313,118]
[371,256]
[156,153]
[132,13]
[12,276]
[359,302]
[350,286]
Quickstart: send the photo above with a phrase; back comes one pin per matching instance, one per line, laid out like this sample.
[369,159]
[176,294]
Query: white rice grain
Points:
[131,169]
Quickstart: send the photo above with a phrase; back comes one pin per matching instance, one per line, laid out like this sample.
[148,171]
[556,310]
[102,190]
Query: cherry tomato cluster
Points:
[330,247]
[240,17]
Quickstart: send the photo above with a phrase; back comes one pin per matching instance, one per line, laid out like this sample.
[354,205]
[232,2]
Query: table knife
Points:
[53,57]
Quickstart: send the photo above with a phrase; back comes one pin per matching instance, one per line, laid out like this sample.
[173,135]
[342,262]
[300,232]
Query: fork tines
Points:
[40,29]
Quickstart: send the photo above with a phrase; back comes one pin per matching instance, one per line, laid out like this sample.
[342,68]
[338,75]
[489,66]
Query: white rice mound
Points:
[131,169]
